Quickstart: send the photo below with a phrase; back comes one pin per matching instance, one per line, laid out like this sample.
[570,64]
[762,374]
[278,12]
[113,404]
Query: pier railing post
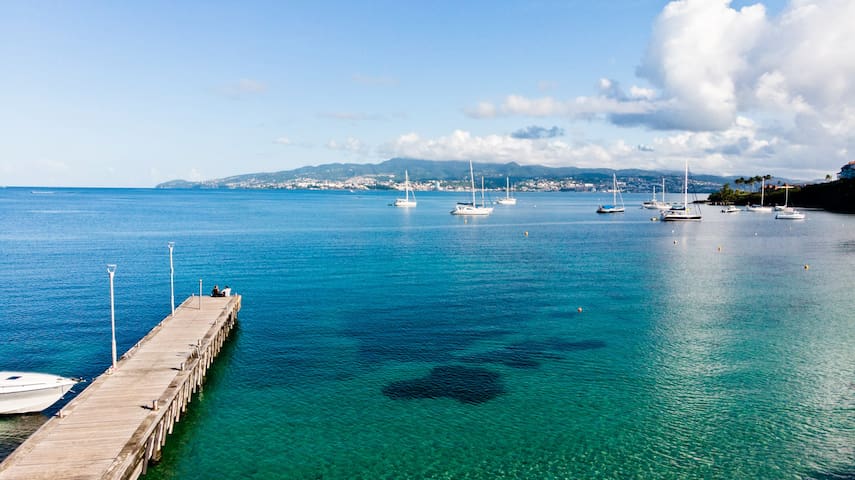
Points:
[111,269]
[171,245]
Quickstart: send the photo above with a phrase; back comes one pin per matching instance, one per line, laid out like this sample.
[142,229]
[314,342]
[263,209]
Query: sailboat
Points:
[779,208]
[406,202]
[788,213]
[508,200]
[613,208]
[654,204]
[682,213]
[468,208]
[761,207]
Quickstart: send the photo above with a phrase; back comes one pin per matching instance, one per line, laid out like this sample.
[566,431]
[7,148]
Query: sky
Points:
[131,94]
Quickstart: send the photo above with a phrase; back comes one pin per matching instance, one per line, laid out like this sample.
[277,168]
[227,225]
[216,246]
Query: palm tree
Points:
[739,181]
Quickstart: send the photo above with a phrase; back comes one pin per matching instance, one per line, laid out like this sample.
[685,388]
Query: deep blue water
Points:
[377,342]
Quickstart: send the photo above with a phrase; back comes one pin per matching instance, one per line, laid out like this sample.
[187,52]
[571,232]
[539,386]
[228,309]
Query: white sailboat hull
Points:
[27,392]
[471,210]
[680,216]
[758,208]
[790,214]
[402,202]
[656,205]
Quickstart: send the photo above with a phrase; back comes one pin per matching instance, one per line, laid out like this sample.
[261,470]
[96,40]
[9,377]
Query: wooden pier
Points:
[121,420]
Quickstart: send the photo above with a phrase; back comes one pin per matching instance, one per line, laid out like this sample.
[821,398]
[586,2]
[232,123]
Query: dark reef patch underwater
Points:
[464,384]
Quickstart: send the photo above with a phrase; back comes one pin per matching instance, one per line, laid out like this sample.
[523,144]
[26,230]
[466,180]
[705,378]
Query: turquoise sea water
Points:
[377,342]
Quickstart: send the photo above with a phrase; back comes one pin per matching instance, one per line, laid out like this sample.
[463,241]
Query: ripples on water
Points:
[381,343]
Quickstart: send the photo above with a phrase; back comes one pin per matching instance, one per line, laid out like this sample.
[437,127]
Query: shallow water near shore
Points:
[377,342]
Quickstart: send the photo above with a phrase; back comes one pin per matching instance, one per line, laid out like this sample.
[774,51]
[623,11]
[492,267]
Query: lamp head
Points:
[111,268]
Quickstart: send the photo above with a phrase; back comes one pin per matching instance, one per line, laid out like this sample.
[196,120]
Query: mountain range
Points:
[446,171]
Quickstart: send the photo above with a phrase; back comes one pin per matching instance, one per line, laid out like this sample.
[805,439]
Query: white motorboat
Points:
[613,207]
[471,208]
[731,209]
[508,200]
[679,213]
[26,392]
[406,202]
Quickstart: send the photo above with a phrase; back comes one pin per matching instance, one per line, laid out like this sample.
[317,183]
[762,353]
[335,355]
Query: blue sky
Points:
[136,93]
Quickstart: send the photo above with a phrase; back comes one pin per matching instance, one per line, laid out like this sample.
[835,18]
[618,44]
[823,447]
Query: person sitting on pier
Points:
[226,292]
[215,292]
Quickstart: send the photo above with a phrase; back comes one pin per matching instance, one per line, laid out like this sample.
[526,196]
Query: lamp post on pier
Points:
[111,269]
[171,245]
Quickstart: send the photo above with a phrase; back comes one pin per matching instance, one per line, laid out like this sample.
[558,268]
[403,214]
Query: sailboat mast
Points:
[614,189]
[472,181]
[483,203]
[686,188]
[406,186]
[508,187]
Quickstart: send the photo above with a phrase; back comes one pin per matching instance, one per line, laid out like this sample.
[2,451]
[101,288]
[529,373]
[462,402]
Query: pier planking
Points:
[120,422]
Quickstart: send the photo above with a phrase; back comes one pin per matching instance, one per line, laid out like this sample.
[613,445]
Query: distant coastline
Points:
[431,175]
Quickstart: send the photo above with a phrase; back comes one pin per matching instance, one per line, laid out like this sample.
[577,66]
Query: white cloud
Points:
[720,152]
[642,93]
[283,141]
[462,145]
[483,110]
[349,145]
[698,50]
[712,67]
[551,107]
[715,63]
